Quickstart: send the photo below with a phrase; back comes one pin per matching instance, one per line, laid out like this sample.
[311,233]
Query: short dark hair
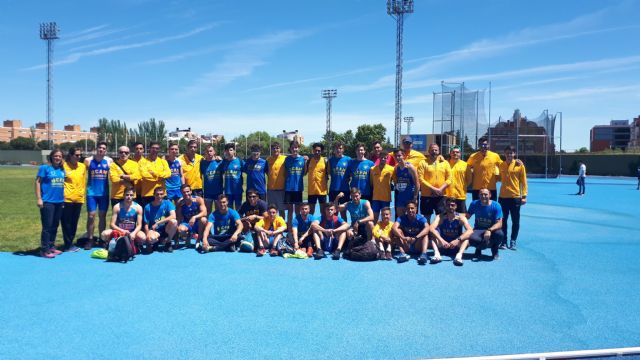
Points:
[315,145]
[228,146]
[276,144]
[303,204]
[173,144]
[184,186]
[412,202]
[384,154]
[222,196]
[135,144]
[386,208]
[255,148]
[509,149]
[272,206]
[151,143]
[360,145]
[128,189]
[482,139]
[338,144]
[294,143]
[159,188]
[103,143]
[192,142]
[252,192]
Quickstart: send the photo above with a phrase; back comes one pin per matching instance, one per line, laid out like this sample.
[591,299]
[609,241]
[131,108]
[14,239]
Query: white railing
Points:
[557,355]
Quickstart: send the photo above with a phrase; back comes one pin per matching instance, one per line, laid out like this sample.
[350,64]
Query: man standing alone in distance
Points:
[582,174]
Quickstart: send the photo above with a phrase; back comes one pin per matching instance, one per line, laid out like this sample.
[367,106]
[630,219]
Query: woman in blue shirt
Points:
[50,198]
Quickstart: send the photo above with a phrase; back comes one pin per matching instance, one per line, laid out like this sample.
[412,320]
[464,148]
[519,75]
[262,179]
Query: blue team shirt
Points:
[256,171]
[358,172]
[212,178]
[98,184]
[175,181]
[294,178]
[412,228]
[51,183]
[233,176]
[404,184]
[301,224]
[223,223]
[450,229]
[153,214]
[333,223]
[338,167]
[485,216]
[358,211]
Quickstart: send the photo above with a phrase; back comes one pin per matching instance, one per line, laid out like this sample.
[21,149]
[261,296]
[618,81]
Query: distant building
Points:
[12,129]
[634,142]
[616,135]
[531,140]
[291,136]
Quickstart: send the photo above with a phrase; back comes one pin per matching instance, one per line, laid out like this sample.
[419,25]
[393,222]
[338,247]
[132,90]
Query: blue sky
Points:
[232,67]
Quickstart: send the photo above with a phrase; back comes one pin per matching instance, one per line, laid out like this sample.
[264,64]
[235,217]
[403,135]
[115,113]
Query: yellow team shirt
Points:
[118,186]
[269,224]
[191,170]
[381,230]
[380,179]
[514,180]
[415,158]
[275,177]
[484,169]
[138,184]
[75,183]
[317,172]
[161,172]
[460,178]
[435,173]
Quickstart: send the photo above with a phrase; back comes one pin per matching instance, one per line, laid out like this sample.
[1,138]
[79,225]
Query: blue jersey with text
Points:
[223,223]
[450,229]
[98,184]
[51,183]
[256,171]
[338,167]
[188,211]
[301,224]
[405,185]
[174,182]
[294,178]
[212,178]
[358,172]
[127,218]
[232,176]
[485,216]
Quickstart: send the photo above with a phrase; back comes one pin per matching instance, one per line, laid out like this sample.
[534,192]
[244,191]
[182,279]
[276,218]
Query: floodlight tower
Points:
[397,9]
[408,120]
[49,32]
[329,94]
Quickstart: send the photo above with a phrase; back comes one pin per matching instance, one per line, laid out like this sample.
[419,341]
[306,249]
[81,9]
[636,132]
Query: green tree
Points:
[65,146]
[583,150]
[23,143]
[4,145]
[88,144]
[367,134]
[43,145]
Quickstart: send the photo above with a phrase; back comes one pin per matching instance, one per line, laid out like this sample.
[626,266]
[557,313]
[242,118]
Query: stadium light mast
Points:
[408,120]
[397,9]
[329,94]
[49,32]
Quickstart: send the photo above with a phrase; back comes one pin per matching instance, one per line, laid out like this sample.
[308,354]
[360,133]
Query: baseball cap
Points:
[407,139]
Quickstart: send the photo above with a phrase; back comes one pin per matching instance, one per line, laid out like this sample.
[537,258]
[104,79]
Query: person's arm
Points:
[395,229]
[205,233]
[433,228]
[414,175]
[115,173]
[39,201]
[114,218]
[369,216]
[343,227]
[422,169]
[165,171]
[280,230]
[294,235]
[315,226]
[336,202]
[182,179]
[202,207]
[172,216]
[447,177]
[236,233]
[468,231]
[138,221]
[523,185]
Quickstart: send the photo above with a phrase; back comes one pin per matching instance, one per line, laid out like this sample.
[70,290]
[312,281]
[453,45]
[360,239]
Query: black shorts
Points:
[146,200]
[114,202]
[461,206]
[344,199]
[366,197]
[197,192]
[292,197]
[429,204]
[314,199]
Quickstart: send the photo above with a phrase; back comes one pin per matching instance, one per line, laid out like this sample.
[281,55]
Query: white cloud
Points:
[581,92]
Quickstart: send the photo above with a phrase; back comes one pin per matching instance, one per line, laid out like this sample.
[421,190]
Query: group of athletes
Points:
[194,200]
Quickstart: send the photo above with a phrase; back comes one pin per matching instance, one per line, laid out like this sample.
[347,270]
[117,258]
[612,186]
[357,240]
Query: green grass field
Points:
[19,215]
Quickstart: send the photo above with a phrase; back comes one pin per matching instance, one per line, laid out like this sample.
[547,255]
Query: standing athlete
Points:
[97,191]
[175,181]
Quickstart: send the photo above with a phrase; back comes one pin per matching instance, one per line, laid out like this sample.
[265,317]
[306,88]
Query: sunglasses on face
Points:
[124,152]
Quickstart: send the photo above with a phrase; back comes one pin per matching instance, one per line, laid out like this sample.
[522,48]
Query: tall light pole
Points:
[49,32]
[329,94]
[408,120]
[397,9]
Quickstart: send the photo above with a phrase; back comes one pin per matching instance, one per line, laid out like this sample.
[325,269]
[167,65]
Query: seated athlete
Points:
[382,234]
[126,219]
[301,232]
[328,231]
[361,218]
[450,233]
[252,211]
[223,229]
[487,228]
[191,214]
[410,233]
[160,221]
[269,230]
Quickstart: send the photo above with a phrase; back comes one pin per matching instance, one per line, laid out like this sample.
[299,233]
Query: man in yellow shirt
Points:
[138,155]
[75,189]
[382,234]
[434,174]
[412,156]
[513,194]
[380,177]
[190,162]
[317,170]
[270,229]
[484,167]
[154,170]
[123,173]
[275,177]
[460,179]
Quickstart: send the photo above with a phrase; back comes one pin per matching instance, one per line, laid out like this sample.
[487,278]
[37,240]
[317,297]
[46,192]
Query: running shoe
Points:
[47,254]
[319,254]
[309,251]
[336,255]
[55,251]
[423,259]
[403,258]
[73,248]
[261,252]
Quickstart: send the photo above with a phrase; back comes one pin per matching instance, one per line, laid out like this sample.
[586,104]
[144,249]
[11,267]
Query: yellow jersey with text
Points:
[75,183]
[276,176]
[485,169]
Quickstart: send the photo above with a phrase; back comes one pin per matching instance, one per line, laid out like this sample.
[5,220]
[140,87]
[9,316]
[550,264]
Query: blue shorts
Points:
[97,202]
[173,194]
[235,201]
[403,198]
[377,205]
[192,229]
[329,243]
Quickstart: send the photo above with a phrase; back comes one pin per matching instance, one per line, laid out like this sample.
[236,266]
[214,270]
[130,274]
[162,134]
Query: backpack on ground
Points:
[361,249]
[121,249]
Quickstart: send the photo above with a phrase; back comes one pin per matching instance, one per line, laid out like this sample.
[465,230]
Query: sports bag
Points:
[361,250]
[121,249]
